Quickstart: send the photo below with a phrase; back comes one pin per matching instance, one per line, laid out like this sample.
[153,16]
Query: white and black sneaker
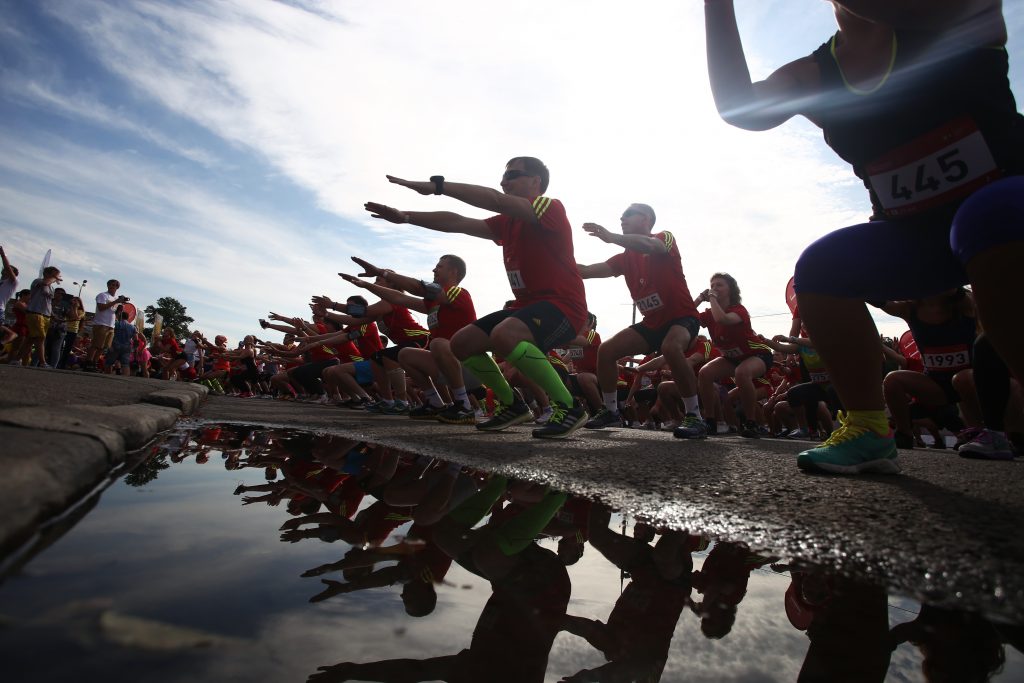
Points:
[564,421]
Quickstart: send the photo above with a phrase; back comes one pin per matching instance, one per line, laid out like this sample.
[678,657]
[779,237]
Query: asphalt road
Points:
[946,529]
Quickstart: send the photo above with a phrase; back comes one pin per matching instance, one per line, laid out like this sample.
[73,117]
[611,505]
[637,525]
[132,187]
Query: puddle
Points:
[249,554]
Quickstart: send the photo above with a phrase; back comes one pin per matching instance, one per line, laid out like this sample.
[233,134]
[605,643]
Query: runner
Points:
[916,97]
[550,304]
[745,356]
[654,275]
[449,308]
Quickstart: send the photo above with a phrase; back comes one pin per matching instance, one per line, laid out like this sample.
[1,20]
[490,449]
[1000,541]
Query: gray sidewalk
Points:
[946,528]
[61,432]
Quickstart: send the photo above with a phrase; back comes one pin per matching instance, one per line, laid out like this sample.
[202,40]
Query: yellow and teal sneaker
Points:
[852,449]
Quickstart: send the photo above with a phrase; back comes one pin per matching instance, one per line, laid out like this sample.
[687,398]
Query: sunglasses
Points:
[512,175]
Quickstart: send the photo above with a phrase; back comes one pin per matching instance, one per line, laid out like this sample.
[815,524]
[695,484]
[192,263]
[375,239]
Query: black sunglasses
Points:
[513,174]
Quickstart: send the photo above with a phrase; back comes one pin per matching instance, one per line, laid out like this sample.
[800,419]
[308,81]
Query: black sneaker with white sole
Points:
[506,416]
[605,418]
[456,414]
[564,421]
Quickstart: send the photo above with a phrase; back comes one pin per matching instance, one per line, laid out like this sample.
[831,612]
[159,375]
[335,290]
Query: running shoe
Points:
[425,412]
[564,421]
[692,428]
[798,433]
[670,425]
[544,416]
[852,449]
[398,408]
[711,426]
[750,430]
[375,407]
[457,415]
[988,444]
[605,418]
[965,435]
[506,416]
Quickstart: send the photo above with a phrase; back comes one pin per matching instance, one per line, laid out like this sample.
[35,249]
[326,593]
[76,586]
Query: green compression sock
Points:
[489,374]
[519,532]
[474,508]
[530,361]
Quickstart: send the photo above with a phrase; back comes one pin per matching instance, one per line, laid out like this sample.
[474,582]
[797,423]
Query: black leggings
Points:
[992,379]
[308,375]
[807,396]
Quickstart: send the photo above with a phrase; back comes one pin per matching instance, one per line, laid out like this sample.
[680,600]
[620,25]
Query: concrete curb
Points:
[53,454]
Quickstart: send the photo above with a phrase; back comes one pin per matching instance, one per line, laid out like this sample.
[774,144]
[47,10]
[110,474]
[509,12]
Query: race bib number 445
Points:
[944,165]
[649,303]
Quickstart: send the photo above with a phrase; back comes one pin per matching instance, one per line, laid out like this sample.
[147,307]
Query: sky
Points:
[221,152]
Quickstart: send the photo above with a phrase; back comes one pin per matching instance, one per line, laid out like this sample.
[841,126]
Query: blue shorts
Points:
[914,258]
[364,373]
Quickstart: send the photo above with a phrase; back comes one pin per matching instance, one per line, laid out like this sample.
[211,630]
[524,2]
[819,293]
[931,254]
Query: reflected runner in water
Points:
[531,588]
[636,638]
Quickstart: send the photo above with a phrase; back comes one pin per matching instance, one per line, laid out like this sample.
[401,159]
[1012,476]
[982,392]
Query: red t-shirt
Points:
[705,350]
[322,351]
[369,343]
[448,315]
[400,327]
[584,359]
[656,282]
[539,259]
[734,341]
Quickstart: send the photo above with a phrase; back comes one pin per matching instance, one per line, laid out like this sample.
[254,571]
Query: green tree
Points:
[173,313]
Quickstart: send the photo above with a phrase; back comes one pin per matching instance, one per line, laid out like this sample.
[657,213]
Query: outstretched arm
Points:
[441,221]
[741,102]
[645,244]
[396,280]
[392,296]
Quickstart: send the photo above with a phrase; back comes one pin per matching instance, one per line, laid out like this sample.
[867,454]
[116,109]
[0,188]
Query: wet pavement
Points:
[946,529]
[234,552]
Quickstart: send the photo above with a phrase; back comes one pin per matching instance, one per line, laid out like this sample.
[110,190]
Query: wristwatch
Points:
[438,181]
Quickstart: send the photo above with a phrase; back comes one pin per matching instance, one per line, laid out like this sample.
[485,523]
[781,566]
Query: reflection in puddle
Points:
[399,567]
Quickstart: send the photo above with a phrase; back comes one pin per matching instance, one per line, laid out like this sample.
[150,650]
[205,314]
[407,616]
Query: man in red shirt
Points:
[654,275]
[550,305]
[449,308]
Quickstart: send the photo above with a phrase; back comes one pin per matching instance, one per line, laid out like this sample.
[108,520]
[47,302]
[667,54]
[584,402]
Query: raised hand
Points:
[599,231]
[369,270]
[386,212]
[421,186]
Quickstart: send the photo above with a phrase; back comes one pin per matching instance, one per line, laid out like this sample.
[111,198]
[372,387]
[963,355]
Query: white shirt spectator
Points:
[105,317]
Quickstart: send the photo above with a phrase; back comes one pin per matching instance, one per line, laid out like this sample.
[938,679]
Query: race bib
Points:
[432,321]
[946,358]
[820,377]
[941,166]
[574,353]
[648,303]
[515,279]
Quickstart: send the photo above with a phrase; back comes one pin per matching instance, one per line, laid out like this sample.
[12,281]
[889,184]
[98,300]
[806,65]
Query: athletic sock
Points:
[488,372]
[691,405]
[530,361]
[433,398]
[461,396]
[875,420]
[611,400]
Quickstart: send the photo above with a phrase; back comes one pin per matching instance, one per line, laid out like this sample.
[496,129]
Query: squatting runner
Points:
[550,305]
[654,275]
